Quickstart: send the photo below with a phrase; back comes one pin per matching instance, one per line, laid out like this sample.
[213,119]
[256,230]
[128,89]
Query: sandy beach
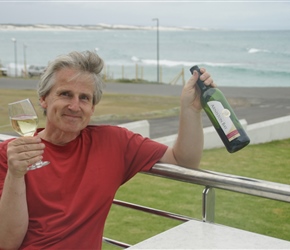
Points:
[254,104]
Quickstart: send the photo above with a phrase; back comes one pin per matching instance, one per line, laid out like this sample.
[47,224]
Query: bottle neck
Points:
[200,83]
[202,86]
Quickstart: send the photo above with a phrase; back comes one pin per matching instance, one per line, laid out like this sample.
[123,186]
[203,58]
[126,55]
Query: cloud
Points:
[227,15]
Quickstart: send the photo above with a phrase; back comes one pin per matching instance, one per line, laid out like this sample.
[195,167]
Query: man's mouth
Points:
[70,116]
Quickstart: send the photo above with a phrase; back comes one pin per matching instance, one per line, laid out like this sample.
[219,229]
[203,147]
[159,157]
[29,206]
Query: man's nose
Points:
[74,104]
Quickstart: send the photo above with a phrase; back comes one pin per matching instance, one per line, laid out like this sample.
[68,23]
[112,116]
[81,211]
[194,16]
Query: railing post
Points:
[136,72]
[208,204]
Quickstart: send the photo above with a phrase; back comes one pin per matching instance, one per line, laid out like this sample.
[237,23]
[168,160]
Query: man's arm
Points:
[21,153]
[187,150]
[13,213]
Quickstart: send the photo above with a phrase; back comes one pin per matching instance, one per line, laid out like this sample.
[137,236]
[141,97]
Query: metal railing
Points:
[261,188]
[211,180]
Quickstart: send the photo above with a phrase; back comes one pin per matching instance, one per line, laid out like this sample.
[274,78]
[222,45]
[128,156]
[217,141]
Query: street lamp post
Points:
[157,26]
[24,57]
[15,55]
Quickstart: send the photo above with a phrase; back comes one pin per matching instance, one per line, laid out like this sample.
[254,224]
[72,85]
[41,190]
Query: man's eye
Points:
[64,93]
[85,97]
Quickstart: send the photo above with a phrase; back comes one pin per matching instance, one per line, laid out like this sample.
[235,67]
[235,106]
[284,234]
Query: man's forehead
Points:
[71,80]
[68,75]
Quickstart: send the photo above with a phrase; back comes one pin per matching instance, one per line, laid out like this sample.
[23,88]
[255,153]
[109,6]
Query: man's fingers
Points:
[25,140]
[27,145]
[193,79]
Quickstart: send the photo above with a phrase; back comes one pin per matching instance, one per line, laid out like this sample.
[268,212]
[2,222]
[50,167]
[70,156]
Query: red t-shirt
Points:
[69,199]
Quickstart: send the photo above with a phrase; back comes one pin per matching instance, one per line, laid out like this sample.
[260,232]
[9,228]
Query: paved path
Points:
[253,104]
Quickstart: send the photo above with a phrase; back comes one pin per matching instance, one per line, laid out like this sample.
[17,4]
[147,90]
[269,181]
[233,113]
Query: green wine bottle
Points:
[222,116]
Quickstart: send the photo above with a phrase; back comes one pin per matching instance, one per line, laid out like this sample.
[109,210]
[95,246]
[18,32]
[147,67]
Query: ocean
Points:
[234,58]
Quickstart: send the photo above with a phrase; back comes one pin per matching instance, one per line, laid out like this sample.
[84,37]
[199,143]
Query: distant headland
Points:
[100,26]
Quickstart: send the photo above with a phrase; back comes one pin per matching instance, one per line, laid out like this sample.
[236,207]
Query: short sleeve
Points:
[3,164]
[141,154]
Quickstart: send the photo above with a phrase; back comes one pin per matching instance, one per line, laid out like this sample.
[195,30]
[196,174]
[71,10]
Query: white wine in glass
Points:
[24,121]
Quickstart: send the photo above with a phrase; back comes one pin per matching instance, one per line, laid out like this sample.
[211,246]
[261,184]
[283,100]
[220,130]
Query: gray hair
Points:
[85,62]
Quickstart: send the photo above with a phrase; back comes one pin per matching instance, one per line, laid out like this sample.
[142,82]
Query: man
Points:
[64,205]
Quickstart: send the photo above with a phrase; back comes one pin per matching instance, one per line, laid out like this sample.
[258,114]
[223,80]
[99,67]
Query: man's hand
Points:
[23,152]
[190,97]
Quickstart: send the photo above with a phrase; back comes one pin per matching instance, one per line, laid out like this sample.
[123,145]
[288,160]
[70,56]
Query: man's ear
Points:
[93,109]
[42,102]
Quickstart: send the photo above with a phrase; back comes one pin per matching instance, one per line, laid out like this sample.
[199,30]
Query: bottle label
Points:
[223,117]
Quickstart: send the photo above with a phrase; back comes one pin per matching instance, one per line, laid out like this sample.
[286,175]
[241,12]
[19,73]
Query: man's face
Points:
[69,104]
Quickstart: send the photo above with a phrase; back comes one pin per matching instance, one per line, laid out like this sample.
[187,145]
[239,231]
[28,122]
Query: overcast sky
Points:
[250,15]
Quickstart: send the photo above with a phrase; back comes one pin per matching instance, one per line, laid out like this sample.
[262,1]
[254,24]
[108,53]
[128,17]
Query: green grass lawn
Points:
[269,161]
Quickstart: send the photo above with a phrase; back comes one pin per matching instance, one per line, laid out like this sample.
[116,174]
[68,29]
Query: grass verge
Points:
[112,107]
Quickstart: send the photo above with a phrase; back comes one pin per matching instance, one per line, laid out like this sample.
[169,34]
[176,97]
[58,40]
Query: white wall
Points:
[275,129]
[139,127]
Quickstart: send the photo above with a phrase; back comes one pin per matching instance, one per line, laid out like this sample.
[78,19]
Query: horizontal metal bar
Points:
[261,188]
[116,243]
[152,210]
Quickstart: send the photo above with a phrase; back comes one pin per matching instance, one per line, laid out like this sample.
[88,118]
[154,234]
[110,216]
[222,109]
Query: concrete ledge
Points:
[139,127]
[5,137]
[262,132]
[271,130]
[167,140]
[212,139]
[275,129]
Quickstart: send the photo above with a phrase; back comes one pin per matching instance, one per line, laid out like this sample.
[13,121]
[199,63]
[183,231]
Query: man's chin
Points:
[68,128]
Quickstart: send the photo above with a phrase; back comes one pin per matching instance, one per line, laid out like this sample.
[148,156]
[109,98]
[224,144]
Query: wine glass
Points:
[24,121]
